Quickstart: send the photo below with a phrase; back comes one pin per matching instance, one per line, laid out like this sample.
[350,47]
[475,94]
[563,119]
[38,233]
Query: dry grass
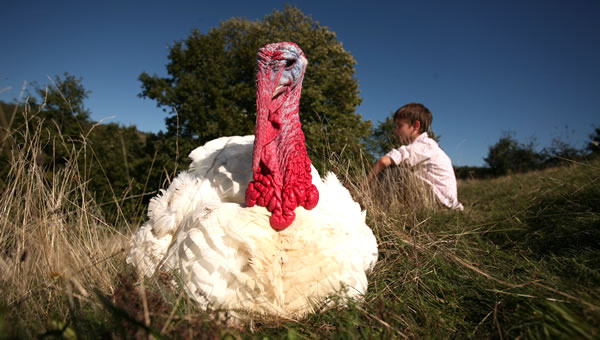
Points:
[521,260]
[56,247]
[61,260]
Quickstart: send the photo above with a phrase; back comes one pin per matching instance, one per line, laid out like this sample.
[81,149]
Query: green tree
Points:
[7,142]
[560,153]
[62,101]
[114,162]
[383,138]
[508,155]
[117,163]
[594,144]
[210,88]
[64,115]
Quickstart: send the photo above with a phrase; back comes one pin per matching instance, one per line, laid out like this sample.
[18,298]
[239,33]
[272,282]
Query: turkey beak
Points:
[279,89]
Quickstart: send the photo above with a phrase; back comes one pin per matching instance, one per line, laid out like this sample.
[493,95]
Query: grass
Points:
[56,247]
[522,260]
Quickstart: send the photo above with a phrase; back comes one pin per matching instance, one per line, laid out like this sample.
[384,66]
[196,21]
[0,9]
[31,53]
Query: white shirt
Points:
[437,166]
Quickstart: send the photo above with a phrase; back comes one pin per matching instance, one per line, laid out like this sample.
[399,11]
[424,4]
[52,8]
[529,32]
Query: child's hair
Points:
[413,112]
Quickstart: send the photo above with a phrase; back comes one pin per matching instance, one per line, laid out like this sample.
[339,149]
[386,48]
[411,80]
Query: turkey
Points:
[251,226]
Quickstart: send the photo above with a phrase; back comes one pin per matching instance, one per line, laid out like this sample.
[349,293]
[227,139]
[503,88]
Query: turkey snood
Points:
[281,168]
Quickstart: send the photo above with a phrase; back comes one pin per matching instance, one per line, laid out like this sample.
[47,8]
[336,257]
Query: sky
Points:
[483,68]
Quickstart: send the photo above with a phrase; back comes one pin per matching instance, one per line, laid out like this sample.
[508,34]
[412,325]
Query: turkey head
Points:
[281,168]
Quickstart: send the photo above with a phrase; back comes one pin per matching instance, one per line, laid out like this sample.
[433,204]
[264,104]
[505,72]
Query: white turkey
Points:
[251,226]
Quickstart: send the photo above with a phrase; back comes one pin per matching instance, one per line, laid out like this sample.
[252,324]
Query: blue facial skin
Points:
[293,64]
[293,68]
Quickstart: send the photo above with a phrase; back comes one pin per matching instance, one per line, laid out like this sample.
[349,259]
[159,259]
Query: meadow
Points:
[522,260]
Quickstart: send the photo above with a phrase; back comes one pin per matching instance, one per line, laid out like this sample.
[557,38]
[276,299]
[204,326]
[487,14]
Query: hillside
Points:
[523,259]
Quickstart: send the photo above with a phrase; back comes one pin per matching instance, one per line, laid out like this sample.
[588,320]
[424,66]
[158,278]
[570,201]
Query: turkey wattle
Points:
[280,164]
[222,224]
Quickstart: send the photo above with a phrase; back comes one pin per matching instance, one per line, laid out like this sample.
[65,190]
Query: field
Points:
[522,260]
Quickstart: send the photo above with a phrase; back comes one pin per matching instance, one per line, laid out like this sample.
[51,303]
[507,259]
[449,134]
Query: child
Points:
[412,122]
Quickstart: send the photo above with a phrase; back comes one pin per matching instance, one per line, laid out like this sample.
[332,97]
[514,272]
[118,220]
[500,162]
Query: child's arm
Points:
[382,163]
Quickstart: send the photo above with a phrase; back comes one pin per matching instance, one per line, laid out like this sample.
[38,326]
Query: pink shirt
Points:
[437,166]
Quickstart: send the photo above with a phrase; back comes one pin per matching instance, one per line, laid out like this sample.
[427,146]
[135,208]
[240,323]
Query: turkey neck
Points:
[281,168]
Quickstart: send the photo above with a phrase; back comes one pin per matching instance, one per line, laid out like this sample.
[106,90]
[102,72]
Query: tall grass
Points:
[522,260]
[57,248]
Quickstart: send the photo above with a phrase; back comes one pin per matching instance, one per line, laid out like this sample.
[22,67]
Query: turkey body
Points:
[227,254]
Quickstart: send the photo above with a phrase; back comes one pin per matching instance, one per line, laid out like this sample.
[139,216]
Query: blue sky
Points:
[481,67]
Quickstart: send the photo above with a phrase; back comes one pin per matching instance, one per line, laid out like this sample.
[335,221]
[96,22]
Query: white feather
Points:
[229,256]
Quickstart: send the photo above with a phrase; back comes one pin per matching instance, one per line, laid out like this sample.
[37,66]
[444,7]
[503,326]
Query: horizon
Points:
[483,69]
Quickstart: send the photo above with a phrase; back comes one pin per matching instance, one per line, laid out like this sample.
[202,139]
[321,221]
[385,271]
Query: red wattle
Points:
[282,178]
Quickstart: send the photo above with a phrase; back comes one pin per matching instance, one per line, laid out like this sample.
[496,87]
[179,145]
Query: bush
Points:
[509,156]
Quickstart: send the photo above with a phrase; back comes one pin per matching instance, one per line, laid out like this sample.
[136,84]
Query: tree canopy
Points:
[114,161]
[64,98]
[508,155]
[384,138]
[593,145]
[210,88]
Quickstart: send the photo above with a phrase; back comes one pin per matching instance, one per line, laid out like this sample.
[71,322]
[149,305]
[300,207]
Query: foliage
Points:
[7,115]
[520,262]
[383,138]
[61,105]
[55,241]
[472,172]
[210,90]
[116,160]
[63,100]
[508,155]
[593,147]
[560,153]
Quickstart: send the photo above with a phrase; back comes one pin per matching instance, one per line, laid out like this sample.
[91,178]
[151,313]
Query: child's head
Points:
[412,120]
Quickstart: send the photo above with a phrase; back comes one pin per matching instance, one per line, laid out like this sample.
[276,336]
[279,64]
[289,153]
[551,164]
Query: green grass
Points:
[522,260]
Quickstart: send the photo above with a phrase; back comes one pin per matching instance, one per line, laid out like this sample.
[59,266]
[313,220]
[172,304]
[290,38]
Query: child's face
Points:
[406,131]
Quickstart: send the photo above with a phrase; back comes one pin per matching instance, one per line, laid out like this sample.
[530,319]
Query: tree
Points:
[62,112]
[383,138]
[117,163]
[593,146]
[62,101]
[508,155]
[210,88]
[7,114]
[560,153]
[114,162]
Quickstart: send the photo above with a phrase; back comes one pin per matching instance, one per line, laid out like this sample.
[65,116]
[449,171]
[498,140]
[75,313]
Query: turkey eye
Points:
[290,62]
